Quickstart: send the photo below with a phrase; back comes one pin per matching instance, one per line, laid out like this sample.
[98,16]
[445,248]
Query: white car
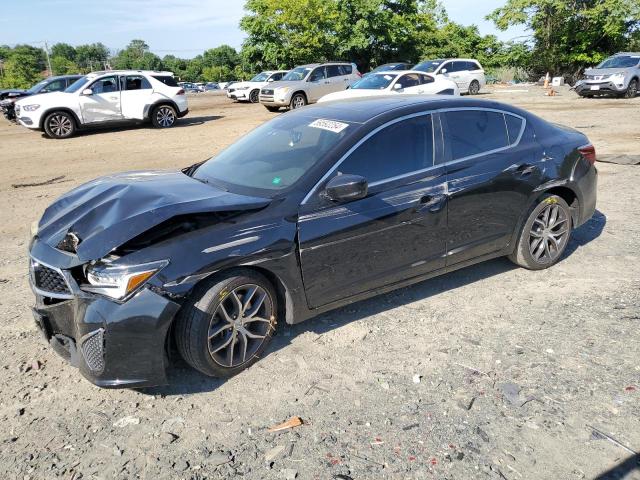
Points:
[101,98]
[466,72]
[250,91]
[404,82]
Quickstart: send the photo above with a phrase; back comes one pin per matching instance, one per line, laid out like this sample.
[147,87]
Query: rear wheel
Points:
[545,235]
[59,125]
[298,101]
[474,88]
[228,323]
[632,89]
[254,96]
[164,116]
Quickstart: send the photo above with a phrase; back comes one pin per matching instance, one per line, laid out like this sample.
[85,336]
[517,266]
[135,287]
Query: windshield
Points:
[275,155]
[429,66]
[77,85]
[298,73]
[620,61]
[374,82]
[387,67]
[36,88]
[261,77]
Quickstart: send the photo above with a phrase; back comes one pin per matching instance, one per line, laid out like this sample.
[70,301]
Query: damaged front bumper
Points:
[114,345]
[591,88]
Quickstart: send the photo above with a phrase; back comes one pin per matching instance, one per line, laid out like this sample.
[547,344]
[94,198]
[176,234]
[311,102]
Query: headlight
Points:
[242,88]
[617,77]
[283,90]
[118,282]
[31,108]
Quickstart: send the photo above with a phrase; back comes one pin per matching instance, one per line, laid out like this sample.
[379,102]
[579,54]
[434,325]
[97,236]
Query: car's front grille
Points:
[596,77]
[231,90]
[266,91]
[49,280]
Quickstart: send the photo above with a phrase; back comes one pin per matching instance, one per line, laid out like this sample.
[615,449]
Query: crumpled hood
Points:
[108,211]
[605,71]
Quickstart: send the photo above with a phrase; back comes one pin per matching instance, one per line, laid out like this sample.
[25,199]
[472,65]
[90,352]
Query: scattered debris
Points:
[291,423]
[289,474]
[482,434]
[39,184]
[464,401]
[600,434]
[273,453]
[417,378]
[126,421]
[511,392]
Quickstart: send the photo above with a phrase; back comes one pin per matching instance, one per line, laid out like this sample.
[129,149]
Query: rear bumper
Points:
[586,188]
[183,113]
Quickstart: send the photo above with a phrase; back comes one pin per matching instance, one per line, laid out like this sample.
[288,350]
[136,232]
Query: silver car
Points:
[307,84]
[618,75]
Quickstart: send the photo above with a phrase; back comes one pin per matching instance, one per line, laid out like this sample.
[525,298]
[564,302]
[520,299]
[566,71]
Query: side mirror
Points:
[443,71]
[345,188]
[398,87]
[87,91]
[271,80]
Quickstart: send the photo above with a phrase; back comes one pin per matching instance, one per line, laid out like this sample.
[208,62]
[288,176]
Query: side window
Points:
[105,85]
[460,66]
[409,80]
[346,69]
[448,66]
[472,132]
[276,76]
[424,79]
[399,149]
[55,86]
[514,125]
[72,80]
[317,74]
[333,71]
[473,66]
[135,82]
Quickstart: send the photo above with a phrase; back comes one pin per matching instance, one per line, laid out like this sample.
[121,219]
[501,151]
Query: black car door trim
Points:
[367,137]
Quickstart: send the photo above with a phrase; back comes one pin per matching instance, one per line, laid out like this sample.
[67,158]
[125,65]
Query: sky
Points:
[183,28]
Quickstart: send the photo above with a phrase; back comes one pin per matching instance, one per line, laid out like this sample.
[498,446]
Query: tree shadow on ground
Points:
[624,468]
[184,380]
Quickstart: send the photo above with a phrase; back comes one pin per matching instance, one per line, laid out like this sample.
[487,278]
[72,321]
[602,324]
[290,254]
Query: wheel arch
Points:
[302,92]
[152,106]
[48,112]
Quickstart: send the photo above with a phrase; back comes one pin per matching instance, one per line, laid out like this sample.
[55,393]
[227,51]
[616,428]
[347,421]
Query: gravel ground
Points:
[488,372]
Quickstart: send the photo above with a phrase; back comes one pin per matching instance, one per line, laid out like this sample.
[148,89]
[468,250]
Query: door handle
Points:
[432,203]
[526,169]
[113,98]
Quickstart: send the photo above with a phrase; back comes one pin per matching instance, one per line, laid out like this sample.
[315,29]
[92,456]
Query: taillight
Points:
[180,92]
[588,152]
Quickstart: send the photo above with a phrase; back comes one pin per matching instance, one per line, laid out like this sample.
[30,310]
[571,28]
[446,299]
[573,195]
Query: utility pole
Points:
[46,50]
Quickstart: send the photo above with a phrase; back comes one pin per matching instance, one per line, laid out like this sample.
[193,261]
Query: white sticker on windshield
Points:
[329,125]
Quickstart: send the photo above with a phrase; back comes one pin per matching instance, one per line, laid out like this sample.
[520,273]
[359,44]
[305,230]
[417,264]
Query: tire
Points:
[207,335]
[541,245]
[474,88]
[254,96]
[272,109]
[59,125]
[164,116]
[299,100]
[632,89]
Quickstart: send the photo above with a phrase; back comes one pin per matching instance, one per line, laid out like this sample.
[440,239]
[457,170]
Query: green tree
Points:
[568,34]
[63,66]
[23,67]
[224,55]
[137,56]
[91,56]
[63,50]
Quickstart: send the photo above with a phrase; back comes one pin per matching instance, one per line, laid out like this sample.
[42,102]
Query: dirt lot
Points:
[489,372]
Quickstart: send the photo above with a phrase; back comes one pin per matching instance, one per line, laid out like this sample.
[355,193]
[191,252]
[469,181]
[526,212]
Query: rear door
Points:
[460,75]
[136,94]
[320,85]
[411,83]
[104,104]
[337,78]
[494,164]
[398,231]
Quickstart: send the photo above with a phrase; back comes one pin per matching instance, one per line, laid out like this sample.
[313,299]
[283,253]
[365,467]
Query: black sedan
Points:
[315,209]
[48,85]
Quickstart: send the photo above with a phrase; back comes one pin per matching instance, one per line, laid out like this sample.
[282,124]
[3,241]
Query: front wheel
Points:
[474,88]
[59,125]
[254,96]
[632,89]
[545,235]
[164,116]
[228,323]
[298,101]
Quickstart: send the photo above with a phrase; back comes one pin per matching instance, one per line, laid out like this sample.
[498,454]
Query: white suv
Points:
[108,97]
[243,91]
[466,72]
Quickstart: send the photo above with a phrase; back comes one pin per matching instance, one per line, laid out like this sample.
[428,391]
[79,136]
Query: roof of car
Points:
[365,109]
[146,72]
[56,77]
[398,72]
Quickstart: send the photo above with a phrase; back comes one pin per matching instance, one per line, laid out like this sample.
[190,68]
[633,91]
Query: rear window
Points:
[168,80]
[473,132]
[346,69]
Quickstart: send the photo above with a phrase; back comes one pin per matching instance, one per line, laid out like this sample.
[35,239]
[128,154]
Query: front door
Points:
[320,85]
[398,231]
[104,103]
[493,167]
